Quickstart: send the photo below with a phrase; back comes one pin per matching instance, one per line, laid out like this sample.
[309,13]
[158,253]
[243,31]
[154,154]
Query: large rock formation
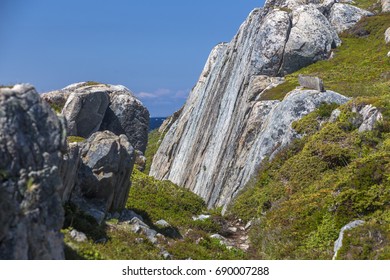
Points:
[225,129]
[31,140]
[89,107]
[104,175]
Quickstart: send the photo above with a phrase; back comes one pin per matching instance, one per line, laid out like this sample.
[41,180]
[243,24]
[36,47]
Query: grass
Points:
[75,139]
[360,66]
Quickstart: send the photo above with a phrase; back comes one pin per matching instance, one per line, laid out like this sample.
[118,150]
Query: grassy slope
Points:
[154,141]
[334,174]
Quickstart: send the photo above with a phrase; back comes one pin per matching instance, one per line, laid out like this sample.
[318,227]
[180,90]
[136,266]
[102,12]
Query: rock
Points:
[335,115]
[310,82]
[232,229]
[370,116]
[168,122]
[32,138]
[69,170]
[339,242]
[78,236]
[387,35]
[345,16]
[128,215]
[311,39]
[244,247]
[201,217]
[127,115]
[139,226]
[104,175]
[84,111]
[166,255]
[385,6]
[104,107]
[162,223]
[248,225]
[140,160]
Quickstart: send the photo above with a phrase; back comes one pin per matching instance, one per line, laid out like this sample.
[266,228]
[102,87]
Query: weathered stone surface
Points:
[168,122]
[345,16]
[31,140]
[311,39]
[104,175]
[96,106]
[370,116]
[385,5]
[339,242]
[69,170]
[387,35]
[78,236]
[310,82]
[127,115]
[84,111]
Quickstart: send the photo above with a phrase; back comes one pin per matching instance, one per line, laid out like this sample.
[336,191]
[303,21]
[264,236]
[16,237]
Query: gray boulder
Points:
[84,111]
[31,140]
[127,115]
[310,82]
[345,16]
[385,5]
[104,175]
[387,35]
[370,116]
[311,39]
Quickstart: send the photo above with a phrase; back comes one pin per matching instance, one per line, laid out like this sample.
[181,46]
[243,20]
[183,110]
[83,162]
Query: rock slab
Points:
[31,140]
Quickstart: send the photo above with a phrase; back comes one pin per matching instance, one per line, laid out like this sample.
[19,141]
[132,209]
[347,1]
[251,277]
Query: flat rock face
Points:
[225,129]
[344,16]
[84,111]
[31,140]
[104,174]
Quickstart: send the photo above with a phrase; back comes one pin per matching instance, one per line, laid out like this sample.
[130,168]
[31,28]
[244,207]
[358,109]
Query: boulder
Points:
[345,16]
[370,116]
[387,35]
[311,39]
[84,111]
[104,174]
[310,82]
[127,115]
[32,138]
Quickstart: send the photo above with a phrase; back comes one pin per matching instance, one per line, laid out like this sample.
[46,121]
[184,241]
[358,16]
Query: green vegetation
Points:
[154,141]
[6,86]
[153,200]
[330,177]
[56,108]
[360,66]
[91,83]
[75,139]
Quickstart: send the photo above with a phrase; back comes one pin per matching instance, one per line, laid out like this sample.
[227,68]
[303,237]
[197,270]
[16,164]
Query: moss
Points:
[6,86]
[56,108]
[91,83]
[75,139]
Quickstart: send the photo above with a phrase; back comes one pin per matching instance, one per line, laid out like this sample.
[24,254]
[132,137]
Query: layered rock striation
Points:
[226,128]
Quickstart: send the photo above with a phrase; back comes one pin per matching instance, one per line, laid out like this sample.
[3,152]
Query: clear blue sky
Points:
[156,48]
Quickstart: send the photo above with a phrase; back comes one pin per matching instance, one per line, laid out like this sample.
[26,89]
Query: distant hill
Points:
[155,123]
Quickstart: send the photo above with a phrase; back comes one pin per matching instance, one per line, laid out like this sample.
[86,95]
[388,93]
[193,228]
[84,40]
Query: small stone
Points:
[248,225]
[201,217]
[162,223]
[244,247]
[310,82]
[387,35]
[232,229]
[335,115]
[166,255]
[78,236]
[101,241]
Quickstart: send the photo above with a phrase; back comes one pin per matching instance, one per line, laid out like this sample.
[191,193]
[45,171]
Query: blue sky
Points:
[155,48]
